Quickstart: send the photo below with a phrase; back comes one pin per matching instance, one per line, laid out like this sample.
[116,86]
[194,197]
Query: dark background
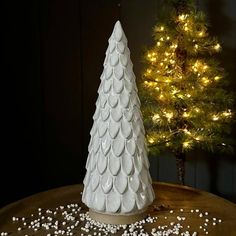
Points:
[54,51]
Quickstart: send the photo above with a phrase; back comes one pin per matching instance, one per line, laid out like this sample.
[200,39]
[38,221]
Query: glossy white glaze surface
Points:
[117,178]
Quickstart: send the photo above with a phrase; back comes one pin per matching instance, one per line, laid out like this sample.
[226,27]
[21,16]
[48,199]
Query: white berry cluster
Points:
[62,220]
[70,219]
[98,228]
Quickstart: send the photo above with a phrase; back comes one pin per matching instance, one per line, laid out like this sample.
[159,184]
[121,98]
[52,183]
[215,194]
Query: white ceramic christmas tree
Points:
[117,185]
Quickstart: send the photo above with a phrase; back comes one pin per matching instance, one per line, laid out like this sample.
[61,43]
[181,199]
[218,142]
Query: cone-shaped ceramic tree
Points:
[117,182]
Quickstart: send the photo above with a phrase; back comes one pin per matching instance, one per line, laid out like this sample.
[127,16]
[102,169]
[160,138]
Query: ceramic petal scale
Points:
[117,185]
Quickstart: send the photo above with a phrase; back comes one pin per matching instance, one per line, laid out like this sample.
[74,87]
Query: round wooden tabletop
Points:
[185,202]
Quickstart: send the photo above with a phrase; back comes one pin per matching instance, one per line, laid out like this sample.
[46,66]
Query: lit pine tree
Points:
[185,104]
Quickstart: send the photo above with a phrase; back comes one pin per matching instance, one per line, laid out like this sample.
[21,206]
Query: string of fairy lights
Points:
[167,82]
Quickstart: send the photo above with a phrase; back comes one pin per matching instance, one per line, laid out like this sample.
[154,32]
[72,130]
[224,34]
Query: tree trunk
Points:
[181,54]
[180,164]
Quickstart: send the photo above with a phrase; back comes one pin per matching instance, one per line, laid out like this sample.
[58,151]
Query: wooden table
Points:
[168,197]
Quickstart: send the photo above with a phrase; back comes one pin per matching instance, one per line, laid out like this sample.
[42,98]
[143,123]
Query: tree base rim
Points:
[117,219]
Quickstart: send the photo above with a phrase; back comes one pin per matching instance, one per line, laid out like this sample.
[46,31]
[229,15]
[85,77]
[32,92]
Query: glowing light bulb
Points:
[185,114]
[162,39]
[197,110]
[215,117]
[156,117]
[188,95]
[205,80]
[158,43]
[216,78]
[149,71]
[149,55]
[180,96]
[151,140]
[227,113]
[201,34]
[217,47]
[174,91]
[169,115]
[198,138]
[186,144]
[162,28]
[174,46]
[186,28]
[196,46]
[182,17]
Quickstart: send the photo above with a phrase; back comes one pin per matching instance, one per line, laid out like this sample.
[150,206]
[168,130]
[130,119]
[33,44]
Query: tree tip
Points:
[118,24]
[118,32]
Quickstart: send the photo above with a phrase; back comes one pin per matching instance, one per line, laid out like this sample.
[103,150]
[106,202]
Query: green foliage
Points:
[185,103]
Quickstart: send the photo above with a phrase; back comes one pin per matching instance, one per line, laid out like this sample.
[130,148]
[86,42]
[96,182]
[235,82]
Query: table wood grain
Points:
[168,197]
